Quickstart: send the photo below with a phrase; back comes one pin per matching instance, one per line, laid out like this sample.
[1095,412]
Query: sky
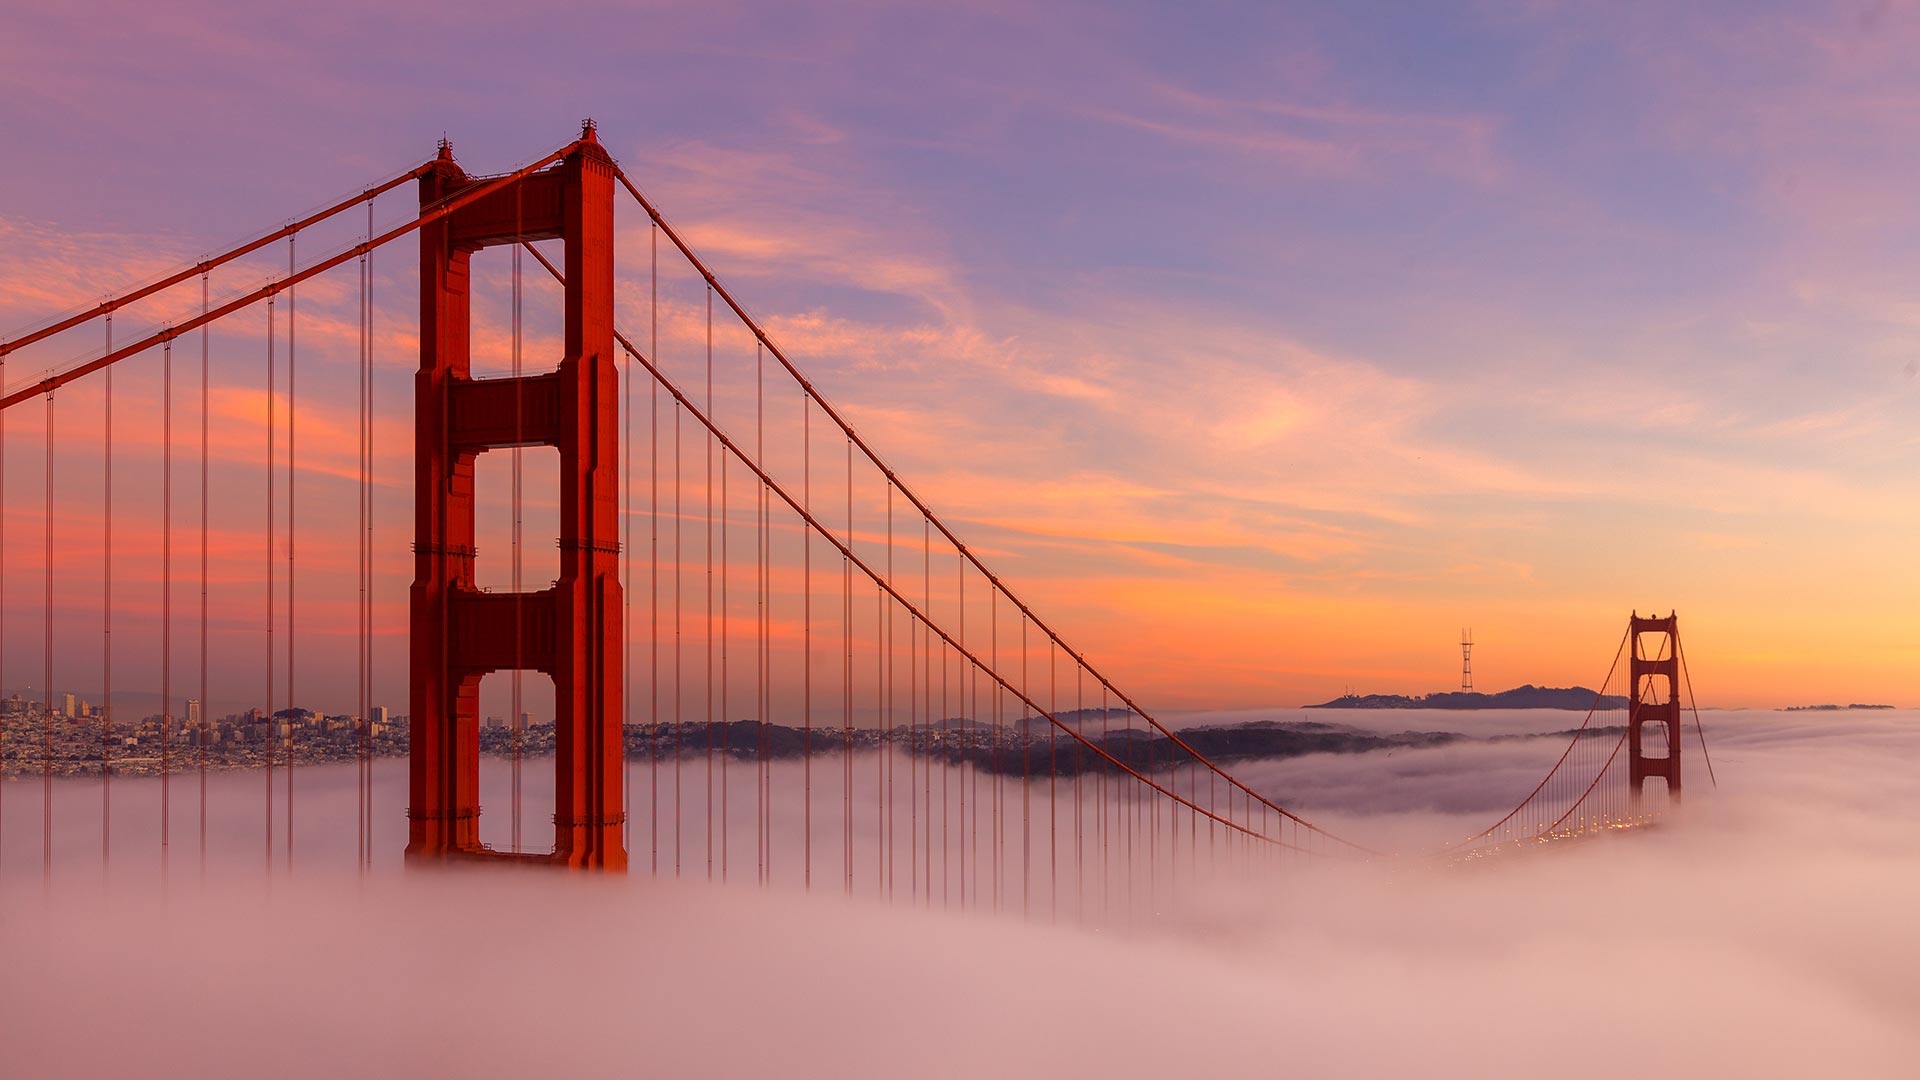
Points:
[1261,347]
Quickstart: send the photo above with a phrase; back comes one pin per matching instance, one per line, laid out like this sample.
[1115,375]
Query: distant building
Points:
[380,715]
[496,723]
[66,705]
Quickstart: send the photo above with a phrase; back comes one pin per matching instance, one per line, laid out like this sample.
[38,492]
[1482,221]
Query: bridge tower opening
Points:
[571,630]
[1654,708]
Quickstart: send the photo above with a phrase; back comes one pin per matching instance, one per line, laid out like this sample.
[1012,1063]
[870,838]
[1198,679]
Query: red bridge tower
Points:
[572,630]
[1654,704]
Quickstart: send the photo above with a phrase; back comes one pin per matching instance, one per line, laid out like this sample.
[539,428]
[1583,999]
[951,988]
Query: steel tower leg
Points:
[570,631]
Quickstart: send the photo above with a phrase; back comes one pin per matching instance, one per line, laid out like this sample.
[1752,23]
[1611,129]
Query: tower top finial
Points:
[587,129]
[445,148]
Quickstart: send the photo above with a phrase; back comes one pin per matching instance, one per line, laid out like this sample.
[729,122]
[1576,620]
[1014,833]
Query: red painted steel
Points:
[1652,703]
[812,396]
[575,630]
[571,631]
[271,289]
[200,269]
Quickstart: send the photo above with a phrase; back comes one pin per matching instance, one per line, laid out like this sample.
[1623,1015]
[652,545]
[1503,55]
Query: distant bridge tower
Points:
[570,631]
[1466,661]
[1655,701]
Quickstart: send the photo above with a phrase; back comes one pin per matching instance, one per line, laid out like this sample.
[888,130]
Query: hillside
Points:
[1520,697]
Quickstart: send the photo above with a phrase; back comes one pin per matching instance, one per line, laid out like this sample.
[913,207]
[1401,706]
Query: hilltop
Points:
[1520,697]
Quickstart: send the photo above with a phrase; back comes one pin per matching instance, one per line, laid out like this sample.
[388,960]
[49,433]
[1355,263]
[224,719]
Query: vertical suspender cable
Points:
[994,823]
[361,717]
[515,734]
[653,514]
[3,599]
[946,771]
[1002,773]
[882,780]
[1694,702]
[679,669]
[272,728]
[765,555]
[806,633]
[759,602]
[366,738]
[966,721]
[846,687]
[1153,824]
[46,711]
[913,738]
[966,744]
[626,603]
[293,716]
[913,745]
[166,598]
[106,615]
[724,755]
[1193,816]
[887,677]
[204,488]
[707,491]
[926,707]
[1131,810]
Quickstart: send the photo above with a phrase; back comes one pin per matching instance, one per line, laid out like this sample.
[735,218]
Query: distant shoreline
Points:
[1831,708]
[1577,698]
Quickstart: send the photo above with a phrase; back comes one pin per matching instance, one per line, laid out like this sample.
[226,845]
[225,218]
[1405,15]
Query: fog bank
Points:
[1766,933]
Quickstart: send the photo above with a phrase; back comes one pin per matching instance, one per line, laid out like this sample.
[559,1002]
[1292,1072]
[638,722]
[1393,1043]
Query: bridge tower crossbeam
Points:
[572,630]
[1652,703]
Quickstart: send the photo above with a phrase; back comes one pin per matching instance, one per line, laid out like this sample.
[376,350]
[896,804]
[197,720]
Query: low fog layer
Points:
[1768,932]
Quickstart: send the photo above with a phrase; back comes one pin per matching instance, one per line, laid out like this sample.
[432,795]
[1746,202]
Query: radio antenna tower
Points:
[1466,661]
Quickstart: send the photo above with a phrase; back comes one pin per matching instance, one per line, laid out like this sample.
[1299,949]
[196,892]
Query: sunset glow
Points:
[1277,370]
[1096,539]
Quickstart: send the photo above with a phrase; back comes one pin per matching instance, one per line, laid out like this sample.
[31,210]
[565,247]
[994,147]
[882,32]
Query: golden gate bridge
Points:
[766,633]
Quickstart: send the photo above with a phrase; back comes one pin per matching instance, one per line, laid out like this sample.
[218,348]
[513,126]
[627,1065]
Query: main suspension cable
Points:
[1693,702]
[965,552]
[268,291]
[978,664]
[109,306]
